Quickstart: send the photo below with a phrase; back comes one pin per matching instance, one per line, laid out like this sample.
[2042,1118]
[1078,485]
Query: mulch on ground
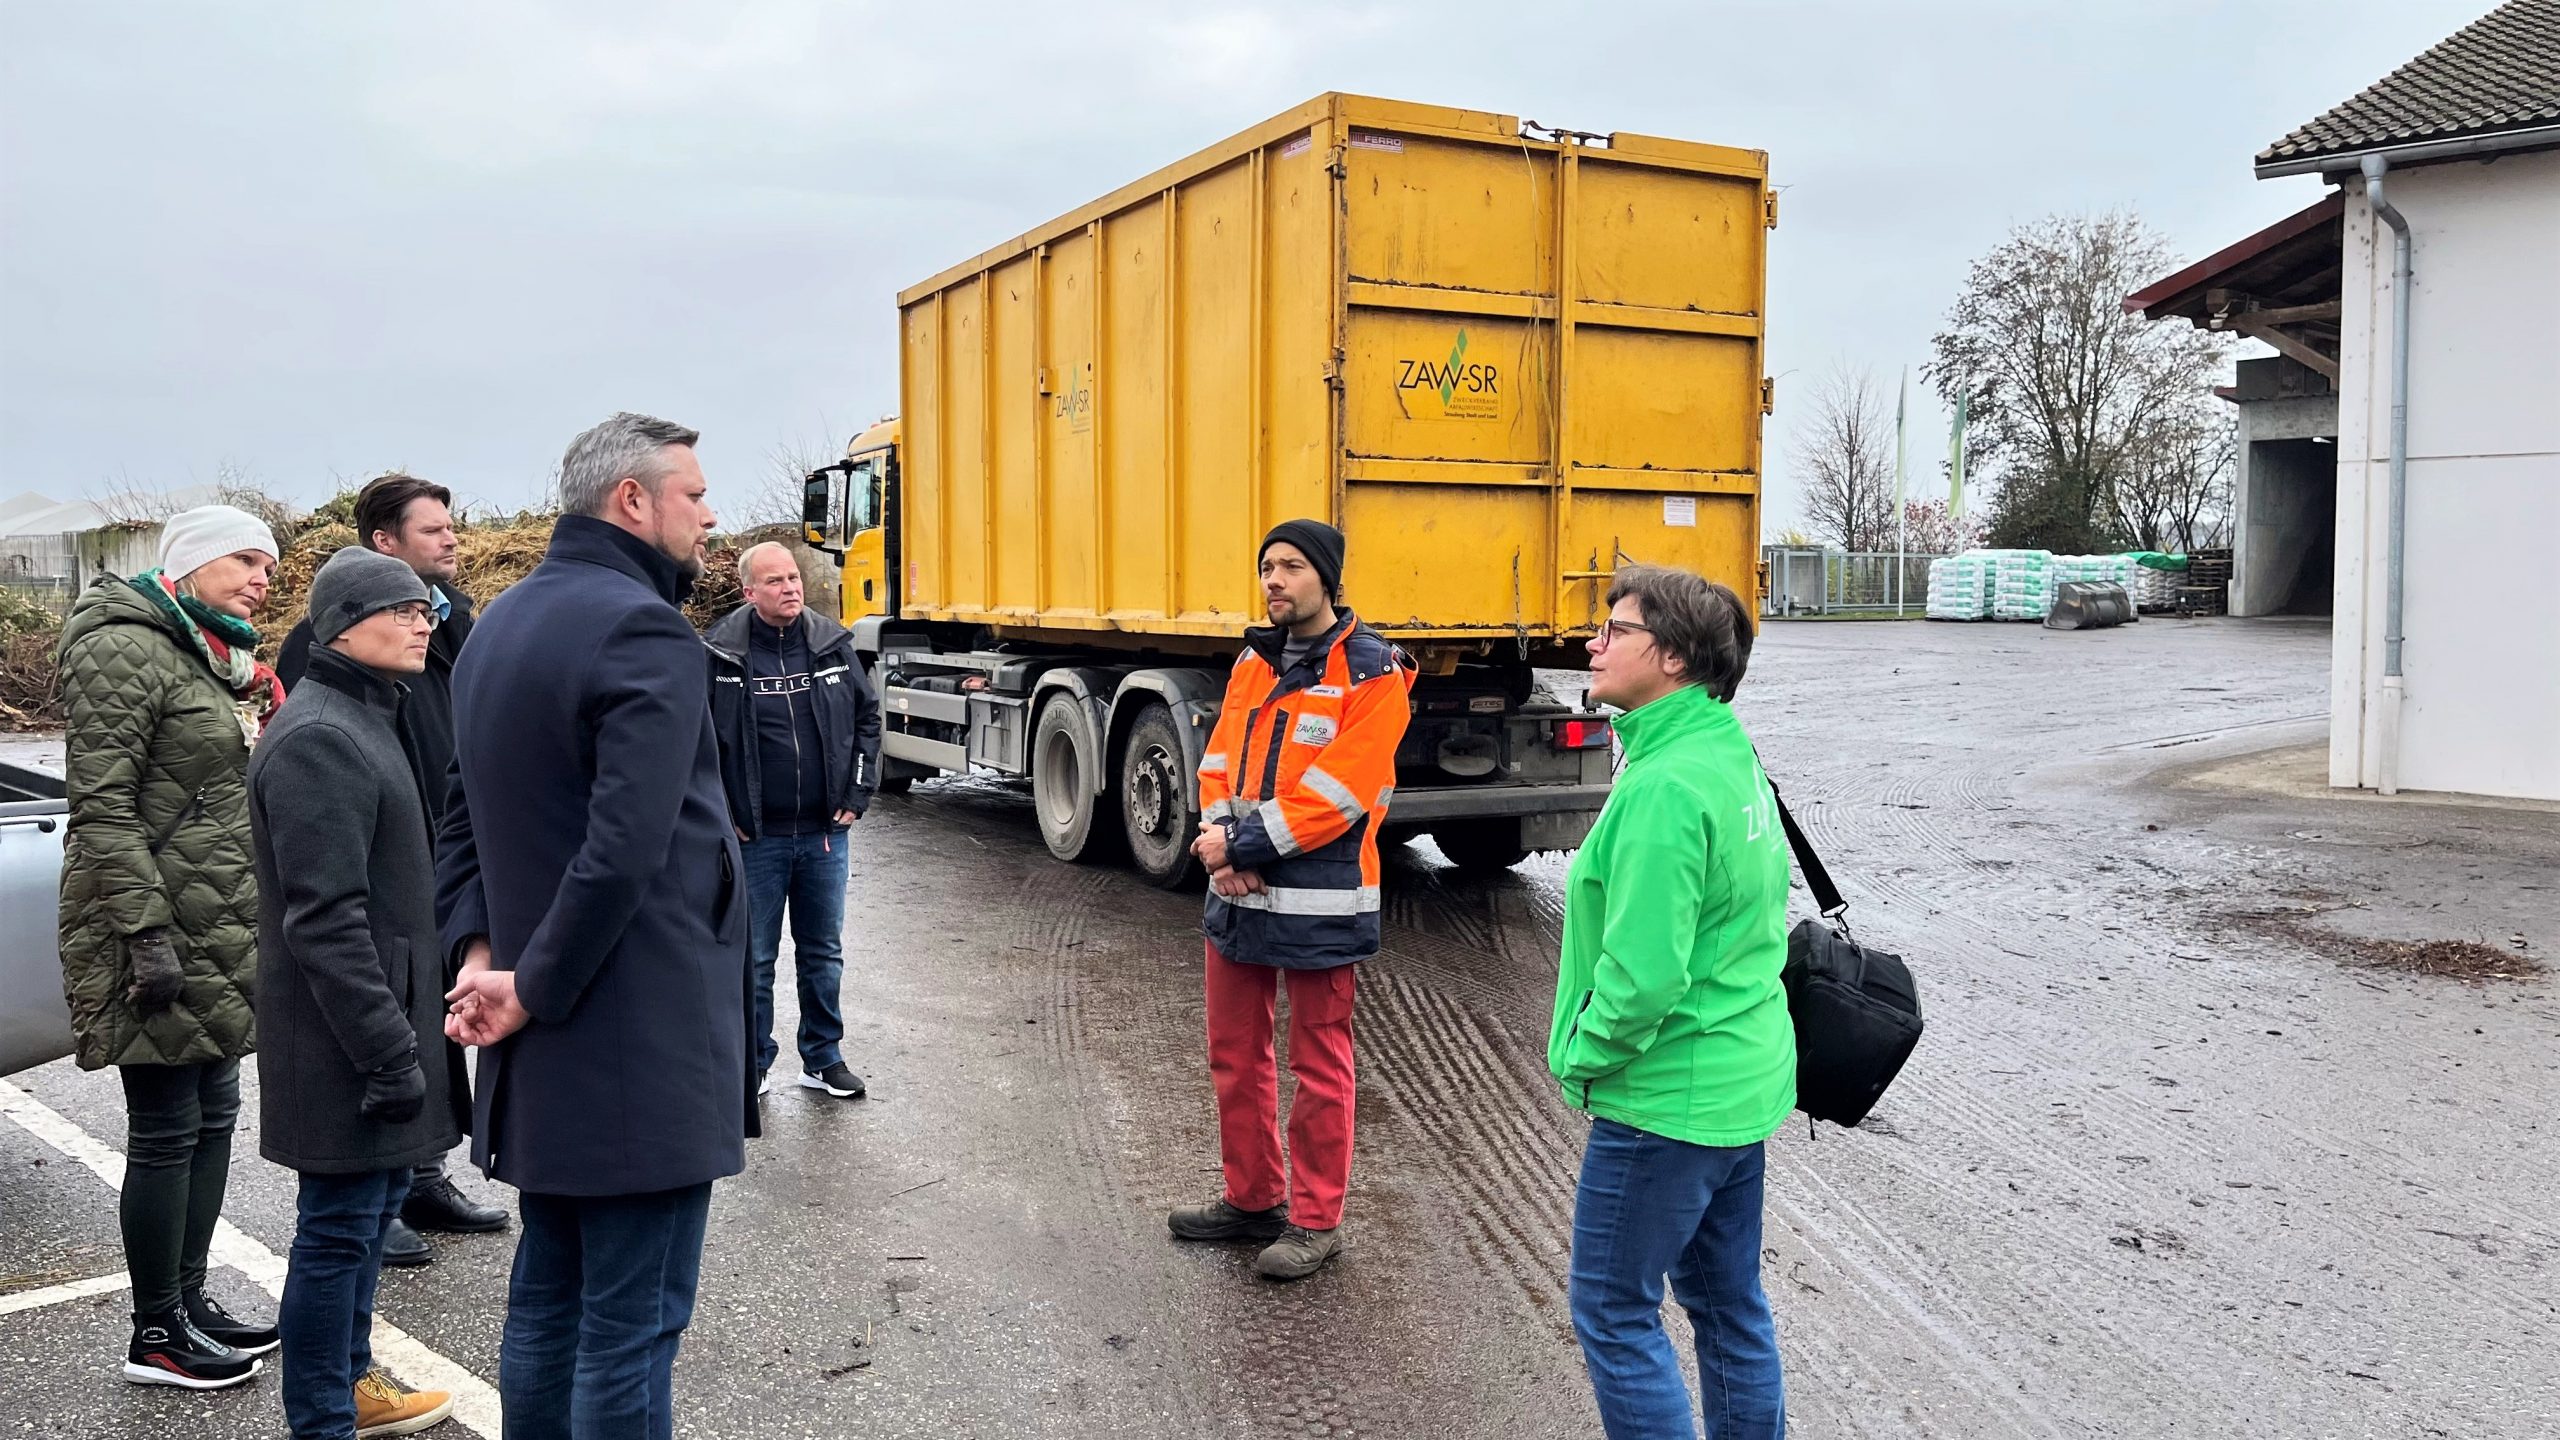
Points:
[2470,961]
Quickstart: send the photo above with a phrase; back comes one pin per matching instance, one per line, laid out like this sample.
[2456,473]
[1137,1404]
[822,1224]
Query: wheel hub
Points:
[1149,799]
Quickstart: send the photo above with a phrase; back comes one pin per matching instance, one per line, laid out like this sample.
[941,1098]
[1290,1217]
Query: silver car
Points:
[35,1023]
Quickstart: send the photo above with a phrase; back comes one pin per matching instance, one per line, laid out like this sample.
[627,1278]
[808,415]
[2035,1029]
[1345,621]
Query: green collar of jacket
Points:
[1686,711]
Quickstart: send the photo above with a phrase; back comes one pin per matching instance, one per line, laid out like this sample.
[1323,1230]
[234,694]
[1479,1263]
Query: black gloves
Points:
[394,1094]
[156,976]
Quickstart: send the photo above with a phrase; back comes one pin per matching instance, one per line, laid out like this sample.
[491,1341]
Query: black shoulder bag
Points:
[1856,1010]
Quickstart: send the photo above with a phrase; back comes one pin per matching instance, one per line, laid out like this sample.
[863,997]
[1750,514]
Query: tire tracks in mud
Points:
[1120,1016]
[1911,854]
[1519,1156]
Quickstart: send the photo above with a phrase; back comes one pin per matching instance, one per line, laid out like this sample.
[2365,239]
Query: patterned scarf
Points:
[229,646]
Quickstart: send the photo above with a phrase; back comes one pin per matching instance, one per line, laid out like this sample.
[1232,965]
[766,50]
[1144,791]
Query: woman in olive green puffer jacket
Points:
[159,921]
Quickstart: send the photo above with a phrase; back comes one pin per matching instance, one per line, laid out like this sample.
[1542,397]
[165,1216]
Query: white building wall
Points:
[2481,598]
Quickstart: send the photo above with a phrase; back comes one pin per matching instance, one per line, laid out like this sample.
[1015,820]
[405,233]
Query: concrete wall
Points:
[2482,597]
[2282,499]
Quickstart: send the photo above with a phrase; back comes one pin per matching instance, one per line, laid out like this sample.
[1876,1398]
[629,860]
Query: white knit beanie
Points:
[209,532]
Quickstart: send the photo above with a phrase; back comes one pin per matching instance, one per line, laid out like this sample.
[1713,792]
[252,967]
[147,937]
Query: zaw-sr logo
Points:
[1467,391]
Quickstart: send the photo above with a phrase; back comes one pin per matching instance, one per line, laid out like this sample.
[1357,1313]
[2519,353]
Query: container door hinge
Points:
[1769,208]
[1769,396]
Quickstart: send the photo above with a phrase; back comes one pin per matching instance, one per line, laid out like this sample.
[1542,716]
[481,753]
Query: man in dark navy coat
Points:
[588,881]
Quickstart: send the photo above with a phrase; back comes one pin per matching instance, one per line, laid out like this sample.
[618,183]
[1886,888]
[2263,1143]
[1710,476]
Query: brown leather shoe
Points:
[386,1407]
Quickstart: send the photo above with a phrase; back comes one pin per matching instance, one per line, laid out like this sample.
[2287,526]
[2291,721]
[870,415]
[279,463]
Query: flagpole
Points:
[1955,463]
[1901,514]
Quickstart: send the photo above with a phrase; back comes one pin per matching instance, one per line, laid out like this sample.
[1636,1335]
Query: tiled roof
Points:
[2501,72]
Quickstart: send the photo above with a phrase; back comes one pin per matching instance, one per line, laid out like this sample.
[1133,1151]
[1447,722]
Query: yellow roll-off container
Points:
[1503,363]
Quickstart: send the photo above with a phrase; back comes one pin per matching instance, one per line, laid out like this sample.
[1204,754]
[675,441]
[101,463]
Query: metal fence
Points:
[1804,580]
[53,592]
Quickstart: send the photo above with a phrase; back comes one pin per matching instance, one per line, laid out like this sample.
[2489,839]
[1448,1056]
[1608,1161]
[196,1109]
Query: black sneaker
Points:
[168,1350]
[224,1328]
[440,1205]
[405,1247]
[837,1080]
[1219,1220]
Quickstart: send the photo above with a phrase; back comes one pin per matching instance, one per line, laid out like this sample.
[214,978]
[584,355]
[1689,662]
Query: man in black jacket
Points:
[800,758]
[588,880]
[353,1086]
[411,520]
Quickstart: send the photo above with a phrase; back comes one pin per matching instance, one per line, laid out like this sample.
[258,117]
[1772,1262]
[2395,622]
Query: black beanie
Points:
[1319,542]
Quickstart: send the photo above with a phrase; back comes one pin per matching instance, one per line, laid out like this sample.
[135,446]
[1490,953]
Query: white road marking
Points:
[475,1401]
[56,1294]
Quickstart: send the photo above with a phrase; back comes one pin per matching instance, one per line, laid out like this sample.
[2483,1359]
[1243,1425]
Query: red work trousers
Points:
[1248,1084]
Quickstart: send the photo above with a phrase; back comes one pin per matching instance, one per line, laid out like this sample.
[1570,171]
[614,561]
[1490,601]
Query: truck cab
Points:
[845,511]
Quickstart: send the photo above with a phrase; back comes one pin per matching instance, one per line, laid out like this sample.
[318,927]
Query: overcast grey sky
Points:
[317,240]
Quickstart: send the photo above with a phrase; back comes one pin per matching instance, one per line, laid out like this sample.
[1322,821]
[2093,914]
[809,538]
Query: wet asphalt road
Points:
[2150,1174]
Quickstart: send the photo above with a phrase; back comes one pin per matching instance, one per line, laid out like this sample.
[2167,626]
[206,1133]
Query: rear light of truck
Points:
[1583,735]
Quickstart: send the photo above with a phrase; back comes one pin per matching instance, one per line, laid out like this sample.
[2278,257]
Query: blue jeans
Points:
[807,873]
[326,1321]
[602,1292]
[1651,1206]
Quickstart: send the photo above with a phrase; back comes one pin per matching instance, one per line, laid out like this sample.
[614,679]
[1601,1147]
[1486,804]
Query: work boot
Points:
[170,1350]
[221,1326]
[440,1205]
[384,1406]
[1219,1220]
[1298,1253]
[404,1246]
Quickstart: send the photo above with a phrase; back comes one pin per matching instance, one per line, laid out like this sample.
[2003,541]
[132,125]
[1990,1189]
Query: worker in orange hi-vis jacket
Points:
[1293,792]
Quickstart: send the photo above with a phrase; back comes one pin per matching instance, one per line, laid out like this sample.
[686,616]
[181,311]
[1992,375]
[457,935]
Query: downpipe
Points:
[2394,688]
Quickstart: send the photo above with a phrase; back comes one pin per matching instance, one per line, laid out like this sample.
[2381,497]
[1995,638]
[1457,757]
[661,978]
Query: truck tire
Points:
[1156,802]
[1480,847]
[1077,825]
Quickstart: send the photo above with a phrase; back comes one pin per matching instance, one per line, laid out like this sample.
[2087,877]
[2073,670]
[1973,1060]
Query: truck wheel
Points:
[1480,847]
[1073,820]
[1156,796]
[897,784]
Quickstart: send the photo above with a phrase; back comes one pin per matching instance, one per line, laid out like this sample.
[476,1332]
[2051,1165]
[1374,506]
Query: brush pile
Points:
[28,634]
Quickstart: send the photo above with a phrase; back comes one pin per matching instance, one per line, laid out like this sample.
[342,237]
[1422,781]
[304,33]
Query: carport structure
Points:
[2279,286]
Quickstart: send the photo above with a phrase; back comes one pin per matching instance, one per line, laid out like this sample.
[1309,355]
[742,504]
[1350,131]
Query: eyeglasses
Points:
[413,614]
[1612,627]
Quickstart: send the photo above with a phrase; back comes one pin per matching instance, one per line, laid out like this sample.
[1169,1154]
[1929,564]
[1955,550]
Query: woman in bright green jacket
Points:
[1671,1025]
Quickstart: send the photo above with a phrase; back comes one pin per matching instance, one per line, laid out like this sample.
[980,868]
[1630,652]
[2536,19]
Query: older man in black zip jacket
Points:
[800,757]
[411,520]
[589,880]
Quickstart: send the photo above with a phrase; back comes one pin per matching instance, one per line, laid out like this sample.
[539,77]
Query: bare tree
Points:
[1931,529]
[2175,490]
[1844,449]
[777,496]
[2064,385]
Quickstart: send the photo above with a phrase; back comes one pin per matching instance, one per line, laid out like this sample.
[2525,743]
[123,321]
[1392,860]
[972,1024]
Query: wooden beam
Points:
[2294,314]
[2258,329]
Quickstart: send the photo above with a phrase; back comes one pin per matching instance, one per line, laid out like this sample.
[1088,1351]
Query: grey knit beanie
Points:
[358,582]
